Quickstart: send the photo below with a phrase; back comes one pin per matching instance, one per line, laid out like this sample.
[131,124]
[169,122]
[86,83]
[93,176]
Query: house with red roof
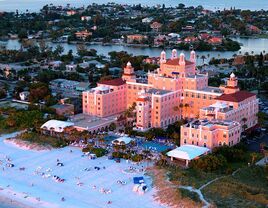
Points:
[156,26]
[253,29]
[215,40]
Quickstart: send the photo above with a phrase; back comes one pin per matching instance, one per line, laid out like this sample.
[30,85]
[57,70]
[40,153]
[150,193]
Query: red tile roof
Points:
[177,62]
[230,87]
[236,97]
[113,82]
[141,99]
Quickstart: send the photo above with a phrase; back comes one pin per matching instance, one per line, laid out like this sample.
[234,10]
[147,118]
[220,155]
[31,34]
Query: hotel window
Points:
[186,94]
[205,145]
[185,133]
[192,95]
[184,141]
[204,97]
[205,137]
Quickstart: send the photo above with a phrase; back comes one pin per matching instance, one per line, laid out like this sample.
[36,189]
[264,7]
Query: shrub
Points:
[99,152]
[137,158]
[43,139]
[209,163]
[231,154]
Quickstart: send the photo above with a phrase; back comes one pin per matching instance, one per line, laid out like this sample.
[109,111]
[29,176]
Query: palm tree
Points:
[175,108]
[253,157]
[244,120]
[52,129]
[186,106]
[102,140]
[181,109]
[245,126]
[203,57]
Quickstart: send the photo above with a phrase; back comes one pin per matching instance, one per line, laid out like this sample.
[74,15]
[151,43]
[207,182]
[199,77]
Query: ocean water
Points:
[6,205]
[35,5]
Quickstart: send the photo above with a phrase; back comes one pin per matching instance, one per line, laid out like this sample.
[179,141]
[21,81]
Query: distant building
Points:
[85,18]
[63,109]
[71,67]
[190,39]
[82,86]
[215,40]
[147,20]
[136,38]
[239,60]
[70,12]
[24,95]
[152,60]
[211,133]
[253,29]
[55,64]
[82,35]
[156,26]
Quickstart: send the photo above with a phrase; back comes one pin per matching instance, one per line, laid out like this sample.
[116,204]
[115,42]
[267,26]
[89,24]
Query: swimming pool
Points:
[109,139]
[154,145]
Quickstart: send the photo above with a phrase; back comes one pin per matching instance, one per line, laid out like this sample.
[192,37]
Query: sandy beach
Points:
[36,180]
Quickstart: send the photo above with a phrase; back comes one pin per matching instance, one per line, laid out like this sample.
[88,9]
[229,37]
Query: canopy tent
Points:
[56,125]
[120,140]
[138,180]
[187,152]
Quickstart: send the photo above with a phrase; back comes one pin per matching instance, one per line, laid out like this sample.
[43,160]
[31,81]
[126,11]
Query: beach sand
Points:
[88,183]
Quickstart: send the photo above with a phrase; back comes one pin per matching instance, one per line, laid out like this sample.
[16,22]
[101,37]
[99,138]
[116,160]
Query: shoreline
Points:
[13,199]
[25,145]
[7,202]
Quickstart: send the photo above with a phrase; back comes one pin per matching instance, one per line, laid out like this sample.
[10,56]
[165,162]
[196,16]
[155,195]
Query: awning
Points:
[187,152]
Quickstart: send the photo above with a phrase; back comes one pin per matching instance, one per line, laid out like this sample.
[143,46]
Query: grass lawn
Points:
[189,194]
[190,177]
[248,188]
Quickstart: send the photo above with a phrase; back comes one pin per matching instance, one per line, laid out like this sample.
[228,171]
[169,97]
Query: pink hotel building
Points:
[173,91]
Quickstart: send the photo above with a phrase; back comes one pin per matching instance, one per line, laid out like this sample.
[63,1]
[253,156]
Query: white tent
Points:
[187,152]
[124,139]
[56,125]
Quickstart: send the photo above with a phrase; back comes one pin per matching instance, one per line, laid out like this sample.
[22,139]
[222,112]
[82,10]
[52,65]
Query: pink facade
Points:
[211,134]
[109,98]
[173,91]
